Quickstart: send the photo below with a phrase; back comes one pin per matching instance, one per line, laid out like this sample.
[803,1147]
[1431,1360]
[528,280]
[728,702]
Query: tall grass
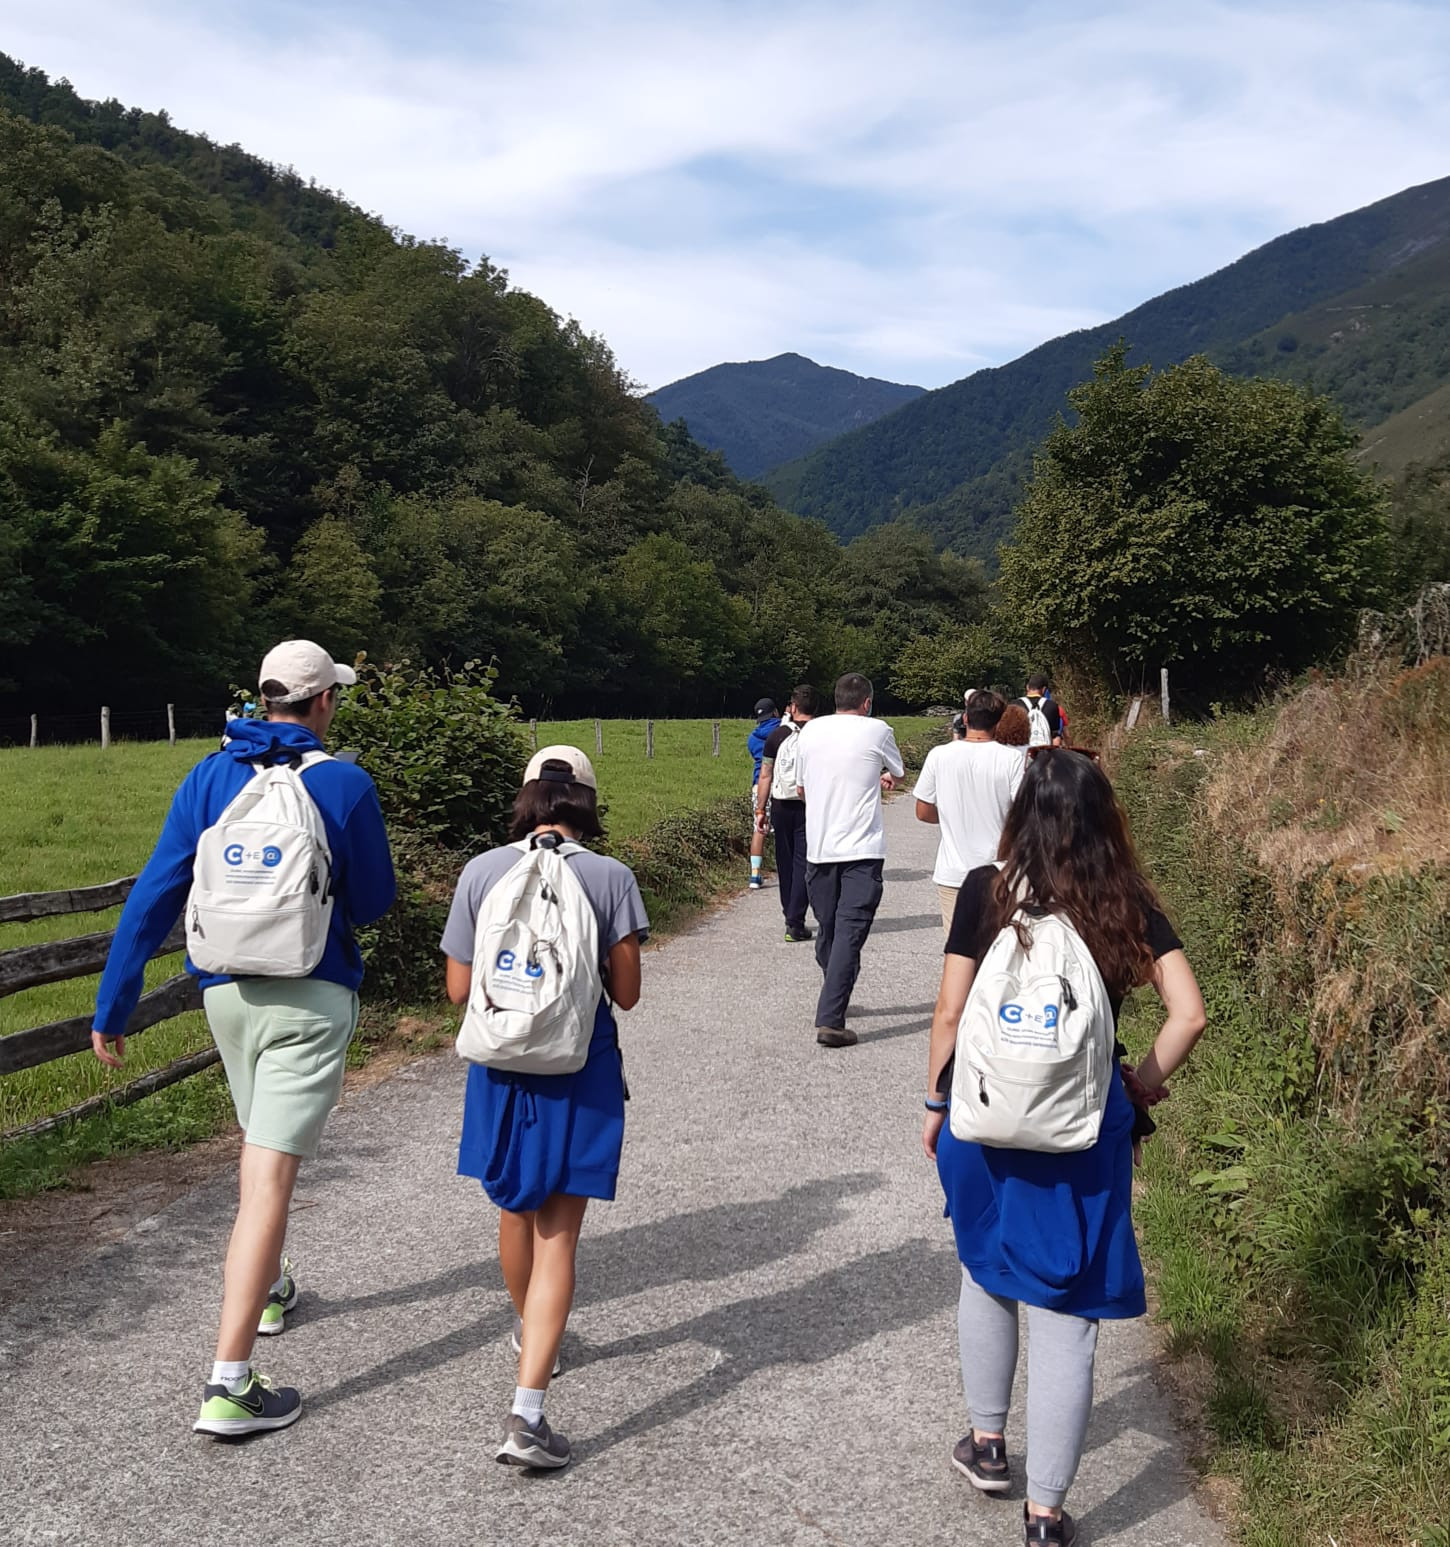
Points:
[1294,1201]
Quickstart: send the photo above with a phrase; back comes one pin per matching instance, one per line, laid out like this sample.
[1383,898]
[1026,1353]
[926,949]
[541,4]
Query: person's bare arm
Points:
[458,978]
[956,983]
[926,812]
[623,970]
[1178,989]
[762,791]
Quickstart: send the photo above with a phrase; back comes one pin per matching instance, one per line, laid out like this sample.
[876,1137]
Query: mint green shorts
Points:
[283,1043]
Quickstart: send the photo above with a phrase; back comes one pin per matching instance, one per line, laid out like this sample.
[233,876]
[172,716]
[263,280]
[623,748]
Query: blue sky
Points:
[906,188]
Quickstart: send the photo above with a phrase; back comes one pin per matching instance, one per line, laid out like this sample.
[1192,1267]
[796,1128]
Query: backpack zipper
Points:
[196,928]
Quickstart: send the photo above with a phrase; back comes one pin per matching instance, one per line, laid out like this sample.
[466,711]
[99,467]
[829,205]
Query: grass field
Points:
[75,816]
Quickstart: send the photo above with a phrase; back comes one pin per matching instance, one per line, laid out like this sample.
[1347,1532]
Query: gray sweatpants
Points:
[1060,1353]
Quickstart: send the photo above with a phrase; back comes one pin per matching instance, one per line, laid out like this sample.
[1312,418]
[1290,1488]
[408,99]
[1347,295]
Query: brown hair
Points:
[1066,847]
[556,802]
[1014,729]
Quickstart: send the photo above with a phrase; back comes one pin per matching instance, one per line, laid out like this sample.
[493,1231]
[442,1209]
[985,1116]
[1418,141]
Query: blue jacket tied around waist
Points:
[362,866]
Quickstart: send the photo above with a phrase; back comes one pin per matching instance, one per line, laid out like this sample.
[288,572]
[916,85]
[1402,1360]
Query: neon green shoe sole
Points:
[257,1407]
[274,1313]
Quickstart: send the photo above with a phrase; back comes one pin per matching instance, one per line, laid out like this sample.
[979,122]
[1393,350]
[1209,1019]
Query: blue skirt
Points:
[1050,1230]
[528,1136]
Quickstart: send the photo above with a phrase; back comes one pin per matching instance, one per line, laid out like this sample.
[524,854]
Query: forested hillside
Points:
[234,406]
[764,412]
[1355,307]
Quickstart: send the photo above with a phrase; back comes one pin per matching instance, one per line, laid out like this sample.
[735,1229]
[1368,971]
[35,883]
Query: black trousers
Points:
[789,819]
[845,898]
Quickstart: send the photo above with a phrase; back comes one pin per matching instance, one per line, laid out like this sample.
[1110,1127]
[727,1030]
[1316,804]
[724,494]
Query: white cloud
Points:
[910,190]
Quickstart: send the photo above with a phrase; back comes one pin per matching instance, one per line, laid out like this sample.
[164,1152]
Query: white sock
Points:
[280,1285]
[528,1404]
[233,1374]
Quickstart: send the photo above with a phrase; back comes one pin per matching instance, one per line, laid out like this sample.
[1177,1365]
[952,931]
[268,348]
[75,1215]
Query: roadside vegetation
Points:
[1295,1203]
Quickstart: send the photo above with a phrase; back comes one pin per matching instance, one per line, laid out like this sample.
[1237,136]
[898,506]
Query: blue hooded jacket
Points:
[757,739]
[362,865]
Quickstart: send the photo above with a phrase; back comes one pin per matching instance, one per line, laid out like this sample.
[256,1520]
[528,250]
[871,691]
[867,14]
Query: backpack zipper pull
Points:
[982,1089]
[196,928]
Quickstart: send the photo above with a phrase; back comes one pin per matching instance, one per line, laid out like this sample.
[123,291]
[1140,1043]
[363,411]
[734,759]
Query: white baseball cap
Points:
[582,768]
[303,669]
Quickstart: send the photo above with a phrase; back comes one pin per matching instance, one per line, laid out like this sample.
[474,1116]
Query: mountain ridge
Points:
[760,413]
[955,458]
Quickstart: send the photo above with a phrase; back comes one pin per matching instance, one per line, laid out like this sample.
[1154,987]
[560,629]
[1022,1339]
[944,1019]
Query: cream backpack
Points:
[261,888]
[1035,1043]
[536,978]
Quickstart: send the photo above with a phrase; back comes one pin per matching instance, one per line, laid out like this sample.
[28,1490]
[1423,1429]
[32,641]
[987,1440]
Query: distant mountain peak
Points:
[760,413]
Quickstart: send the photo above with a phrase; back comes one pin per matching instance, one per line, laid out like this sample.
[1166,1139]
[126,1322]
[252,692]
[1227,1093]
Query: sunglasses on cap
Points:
[1035,752]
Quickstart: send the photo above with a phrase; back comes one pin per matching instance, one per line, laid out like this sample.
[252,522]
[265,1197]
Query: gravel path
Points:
[763,1350]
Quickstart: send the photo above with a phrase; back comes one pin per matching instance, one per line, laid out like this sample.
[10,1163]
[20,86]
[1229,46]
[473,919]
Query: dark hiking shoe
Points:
[258,1405]
[983,1463]
[835,1036]
[1043,1531]
[533,1445]
[516,1342]
[798,936]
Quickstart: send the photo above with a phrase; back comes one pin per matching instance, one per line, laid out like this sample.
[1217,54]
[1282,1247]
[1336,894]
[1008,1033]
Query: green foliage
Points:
[766,412]
[233,407]
[939,668]
[1294,1201]
[1419,521]
[1192,519]
[445,754]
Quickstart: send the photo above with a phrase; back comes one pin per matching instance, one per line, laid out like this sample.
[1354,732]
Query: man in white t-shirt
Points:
[966,788]
[844,762]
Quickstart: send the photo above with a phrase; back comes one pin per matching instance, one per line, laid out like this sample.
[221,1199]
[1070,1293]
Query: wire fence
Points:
[163,722]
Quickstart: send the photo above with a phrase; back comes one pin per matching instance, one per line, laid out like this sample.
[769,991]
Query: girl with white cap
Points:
[542,1145]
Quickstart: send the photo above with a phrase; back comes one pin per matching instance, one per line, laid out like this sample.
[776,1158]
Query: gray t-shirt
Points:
[607,883]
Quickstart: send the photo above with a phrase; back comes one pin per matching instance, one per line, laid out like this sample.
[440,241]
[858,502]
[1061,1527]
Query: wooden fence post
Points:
[598,738]
[534,733]
[105,725]
[171,723]
[1134,709]
[649,738]
[715,738]
[35,730]
[1163,675]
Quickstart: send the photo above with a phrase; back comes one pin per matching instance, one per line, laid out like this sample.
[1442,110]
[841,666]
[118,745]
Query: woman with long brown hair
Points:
[1053,1231]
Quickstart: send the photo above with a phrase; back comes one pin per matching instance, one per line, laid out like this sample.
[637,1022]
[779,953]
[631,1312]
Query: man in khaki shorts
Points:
[283,1040]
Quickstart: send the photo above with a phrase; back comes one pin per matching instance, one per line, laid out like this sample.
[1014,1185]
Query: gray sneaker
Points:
[516,1342]
[835,1036]
[533,1445]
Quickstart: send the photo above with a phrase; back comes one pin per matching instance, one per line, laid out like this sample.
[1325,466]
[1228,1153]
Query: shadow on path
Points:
[807,1324]
[712,1243]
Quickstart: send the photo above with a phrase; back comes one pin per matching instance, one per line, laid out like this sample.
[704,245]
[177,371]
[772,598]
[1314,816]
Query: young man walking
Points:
[1043,715]
[779,788]
[846,760]
[283,1040]
[767,721]
[965,788]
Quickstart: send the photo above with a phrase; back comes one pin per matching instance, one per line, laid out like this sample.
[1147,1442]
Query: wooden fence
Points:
[56,961]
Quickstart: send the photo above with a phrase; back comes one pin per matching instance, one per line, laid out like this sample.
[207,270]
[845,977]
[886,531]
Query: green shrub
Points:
[445,754]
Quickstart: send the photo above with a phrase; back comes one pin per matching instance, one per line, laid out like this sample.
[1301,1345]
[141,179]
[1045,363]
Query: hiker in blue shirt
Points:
[767,720]
[283,1040]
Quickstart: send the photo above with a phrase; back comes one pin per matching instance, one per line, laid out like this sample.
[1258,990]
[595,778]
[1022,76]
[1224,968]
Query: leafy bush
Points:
[445,754]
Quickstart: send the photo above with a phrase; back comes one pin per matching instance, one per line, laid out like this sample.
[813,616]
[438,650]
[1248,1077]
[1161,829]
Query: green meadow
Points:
[76,816]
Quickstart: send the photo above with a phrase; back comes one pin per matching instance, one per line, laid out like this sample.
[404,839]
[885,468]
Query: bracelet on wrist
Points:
[935,1106]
